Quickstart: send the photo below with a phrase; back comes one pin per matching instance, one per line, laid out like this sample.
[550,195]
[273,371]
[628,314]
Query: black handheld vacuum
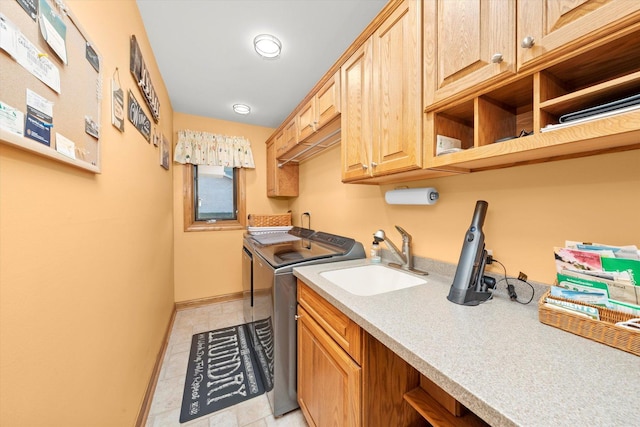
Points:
[468,287]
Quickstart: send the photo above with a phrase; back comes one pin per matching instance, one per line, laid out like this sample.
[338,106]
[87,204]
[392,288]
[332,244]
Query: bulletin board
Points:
[74,124]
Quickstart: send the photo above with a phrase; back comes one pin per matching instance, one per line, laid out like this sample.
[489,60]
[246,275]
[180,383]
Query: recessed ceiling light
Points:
[267,45]
[241,108]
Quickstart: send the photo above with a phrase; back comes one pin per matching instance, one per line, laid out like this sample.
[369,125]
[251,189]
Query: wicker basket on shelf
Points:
[603,331]
[270,220]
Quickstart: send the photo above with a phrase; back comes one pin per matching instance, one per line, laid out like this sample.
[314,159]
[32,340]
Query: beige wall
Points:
[86,261]
[531,208]
[90,265]
[208,263]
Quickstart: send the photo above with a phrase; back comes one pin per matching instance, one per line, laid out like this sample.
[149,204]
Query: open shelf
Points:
[489,118]
[502,126]
[436,414]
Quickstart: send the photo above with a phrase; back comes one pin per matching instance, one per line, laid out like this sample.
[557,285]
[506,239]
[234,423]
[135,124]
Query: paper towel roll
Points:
[412,196]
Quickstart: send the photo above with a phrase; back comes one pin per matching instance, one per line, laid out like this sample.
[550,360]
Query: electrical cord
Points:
[510,288]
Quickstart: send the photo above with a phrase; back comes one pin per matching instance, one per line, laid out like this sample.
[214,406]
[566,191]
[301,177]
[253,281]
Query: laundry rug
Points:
[222,371]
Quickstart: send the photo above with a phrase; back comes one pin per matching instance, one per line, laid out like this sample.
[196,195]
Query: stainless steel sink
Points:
[371,279]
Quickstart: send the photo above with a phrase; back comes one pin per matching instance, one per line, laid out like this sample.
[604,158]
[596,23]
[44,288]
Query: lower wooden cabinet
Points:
[329,381]
[347,378]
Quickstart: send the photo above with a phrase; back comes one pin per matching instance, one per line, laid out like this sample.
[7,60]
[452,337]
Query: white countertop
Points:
[495,358]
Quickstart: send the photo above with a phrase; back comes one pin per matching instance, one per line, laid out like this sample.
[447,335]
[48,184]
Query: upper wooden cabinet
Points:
[549,28]
[319,110]
[328,101]
[288,138]
[307,120]
[356,123]
[525,119]
[467,43]
[281,181]
[381,98]
[315,125]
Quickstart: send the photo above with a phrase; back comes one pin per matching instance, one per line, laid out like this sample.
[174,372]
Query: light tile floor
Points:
[167,399]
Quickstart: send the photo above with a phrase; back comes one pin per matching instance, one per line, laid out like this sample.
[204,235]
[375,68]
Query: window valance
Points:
[202,148]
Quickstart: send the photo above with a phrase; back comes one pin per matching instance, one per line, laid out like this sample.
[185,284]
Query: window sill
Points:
[213,226]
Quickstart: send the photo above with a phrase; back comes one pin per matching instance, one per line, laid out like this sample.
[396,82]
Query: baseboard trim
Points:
[194,303]
[155,374]
[183,305]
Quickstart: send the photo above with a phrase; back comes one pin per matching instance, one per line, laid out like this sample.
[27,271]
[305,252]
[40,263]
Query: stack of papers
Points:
[600,274]
[620,106]
[275,238]
[255,231]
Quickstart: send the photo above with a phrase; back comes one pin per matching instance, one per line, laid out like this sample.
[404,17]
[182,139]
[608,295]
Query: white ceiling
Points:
[204,49]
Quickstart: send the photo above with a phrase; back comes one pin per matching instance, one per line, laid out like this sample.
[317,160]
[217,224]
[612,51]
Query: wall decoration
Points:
[156,136]
[117,102]
[138,118]
[164,152]
[141,74]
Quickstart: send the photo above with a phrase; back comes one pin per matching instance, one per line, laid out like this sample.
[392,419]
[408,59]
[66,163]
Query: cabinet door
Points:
[329,381]
[307,123]
[397,88]
[356,113]
[271,166]
[555,27]
[467,43]
[328,101]
[288,139]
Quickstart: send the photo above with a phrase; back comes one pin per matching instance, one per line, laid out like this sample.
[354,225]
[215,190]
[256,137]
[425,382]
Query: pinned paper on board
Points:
[11,119]
[39,118]
[65,146]
[53,30]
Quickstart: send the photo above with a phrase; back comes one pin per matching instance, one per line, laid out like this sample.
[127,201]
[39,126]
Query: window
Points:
[214,198]
[215,193]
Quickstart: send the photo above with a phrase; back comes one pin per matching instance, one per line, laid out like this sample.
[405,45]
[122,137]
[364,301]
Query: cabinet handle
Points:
[296,317]
[528,42]
[364,167]
[374,164]
[497,58]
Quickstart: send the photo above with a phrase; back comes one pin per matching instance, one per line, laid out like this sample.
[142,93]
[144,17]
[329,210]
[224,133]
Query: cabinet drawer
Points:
[343,330]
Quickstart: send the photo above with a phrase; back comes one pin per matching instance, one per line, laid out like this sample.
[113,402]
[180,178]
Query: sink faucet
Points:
[404,256]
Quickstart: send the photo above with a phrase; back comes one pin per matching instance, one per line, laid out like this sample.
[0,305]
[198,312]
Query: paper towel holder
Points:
[412,196]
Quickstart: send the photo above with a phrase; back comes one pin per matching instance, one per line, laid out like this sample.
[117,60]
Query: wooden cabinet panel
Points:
[343,330]
[329,381]
[356,113]
[467,43]
[381,99]
[281,182]
[560,26]
[328,101]
[307,122]
[386,378]
[288,139]
[397,86]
